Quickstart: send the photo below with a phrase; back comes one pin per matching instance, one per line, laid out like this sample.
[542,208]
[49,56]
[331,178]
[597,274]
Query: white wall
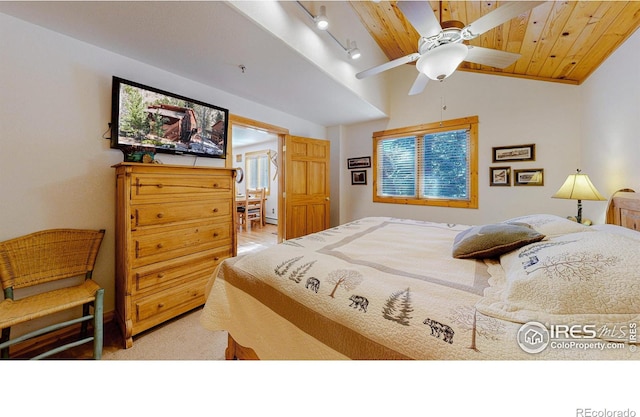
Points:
[511,111]
[609,131]
[55,104]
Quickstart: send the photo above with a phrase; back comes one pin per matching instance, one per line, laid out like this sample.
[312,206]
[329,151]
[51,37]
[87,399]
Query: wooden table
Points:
[241,201]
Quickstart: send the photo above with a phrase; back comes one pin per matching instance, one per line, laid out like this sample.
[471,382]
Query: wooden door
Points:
[307,180]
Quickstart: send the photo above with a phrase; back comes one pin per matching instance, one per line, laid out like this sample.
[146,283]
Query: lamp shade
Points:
[578,187]
[440,62]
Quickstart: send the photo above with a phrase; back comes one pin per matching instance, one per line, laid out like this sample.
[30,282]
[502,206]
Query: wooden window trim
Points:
[470,123]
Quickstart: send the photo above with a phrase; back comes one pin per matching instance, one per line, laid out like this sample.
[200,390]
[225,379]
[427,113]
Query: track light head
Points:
[353,51]
[321,20]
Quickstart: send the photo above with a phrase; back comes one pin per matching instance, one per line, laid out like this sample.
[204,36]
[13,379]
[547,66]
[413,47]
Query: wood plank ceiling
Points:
[560,41]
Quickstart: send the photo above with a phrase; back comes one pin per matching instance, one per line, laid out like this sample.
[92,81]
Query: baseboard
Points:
[32,347]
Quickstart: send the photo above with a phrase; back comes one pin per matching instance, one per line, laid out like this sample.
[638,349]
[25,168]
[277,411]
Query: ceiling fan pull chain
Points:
[443,105]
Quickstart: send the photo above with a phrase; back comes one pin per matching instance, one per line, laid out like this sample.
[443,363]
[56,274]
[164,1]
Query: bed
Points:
[534,287]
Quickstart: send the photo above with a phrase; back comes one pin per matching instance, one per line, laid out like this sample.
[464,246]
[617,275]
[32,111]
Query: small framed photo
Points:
[358,177]
[362,162]
[500,176]
[514,153]
[528,176]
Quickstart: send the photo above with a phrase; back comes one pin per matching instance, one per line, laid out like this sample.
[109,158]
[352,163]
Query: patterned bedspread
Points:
[376,288]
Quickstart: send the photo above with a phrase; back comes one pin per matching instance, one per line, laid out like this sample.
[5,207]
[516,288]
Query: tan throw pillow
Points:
[493,240]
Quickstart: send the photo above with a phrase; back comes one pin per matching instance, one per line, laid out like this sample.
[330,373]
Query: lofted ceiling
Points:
[560,41]
[288,61]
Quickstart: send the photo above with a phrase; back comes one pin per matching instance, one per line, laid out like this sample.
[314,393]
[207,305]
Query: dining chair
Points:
[29,266]
[254,206]
[240,215]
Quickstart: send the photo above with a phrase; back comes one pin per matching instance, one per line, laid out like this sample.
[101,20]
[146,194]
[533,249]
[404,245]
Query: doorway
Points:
[262,143]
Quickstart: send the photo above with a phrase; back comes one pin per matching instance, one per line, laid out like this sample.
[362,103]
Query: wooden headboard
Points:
[624,209]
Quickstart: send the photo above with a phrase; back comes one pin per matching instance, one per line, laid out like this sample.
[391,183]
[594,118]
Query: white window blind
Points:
[397,167]
[445,165]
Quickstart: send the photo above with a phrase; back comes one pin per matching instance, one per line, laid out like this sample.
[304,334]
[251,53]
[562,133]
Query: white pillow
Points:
[612,228]
[587,274]
[550,225]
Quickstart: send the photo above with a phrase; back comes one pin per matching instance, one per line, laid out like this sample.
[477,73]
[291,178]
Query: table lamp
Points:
[578,187]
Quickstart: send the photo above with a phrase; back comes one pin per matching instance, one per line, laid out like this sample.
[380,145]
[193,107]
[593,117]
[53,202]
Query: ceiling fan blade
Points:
[500,15]
[419,84]
[421,17]
[490,57]
[388,65]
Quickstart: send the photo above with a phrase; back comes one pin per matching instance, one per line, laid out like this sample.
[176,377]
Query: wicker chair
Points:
[40,258]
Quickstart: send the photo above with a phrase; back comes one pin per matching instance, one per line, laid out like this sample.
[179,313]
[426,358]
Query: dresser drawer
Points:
[163,213]
[145,186]
[170,302]
[157,276]
[172,242]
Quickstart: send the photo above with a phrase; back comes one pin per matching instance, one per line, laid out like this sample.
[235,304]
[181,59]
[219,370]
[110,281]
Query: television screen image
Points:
[146,119]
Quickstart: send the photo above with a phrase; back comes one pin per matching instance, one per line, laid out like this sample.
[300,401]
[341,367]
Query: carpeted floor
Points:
[183,338]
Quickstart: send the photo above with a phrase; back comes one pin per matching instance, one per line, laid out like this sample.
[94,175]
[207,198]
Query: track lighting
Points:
[353,51]
[321,20]
[322,23]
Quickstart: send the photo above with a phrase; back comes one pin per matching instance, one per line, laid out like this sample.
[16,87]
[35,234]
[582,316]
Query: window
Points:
[257,170]
[433,164]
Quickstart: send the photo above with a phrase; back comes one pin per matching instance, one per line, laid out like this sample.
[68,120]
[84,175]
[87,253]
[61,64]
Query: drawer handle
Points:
[159,185]
[159,246]
[160,274]
[160,215]
[216,258]
[215,210]
[160,305]
[215,185]
[215,234]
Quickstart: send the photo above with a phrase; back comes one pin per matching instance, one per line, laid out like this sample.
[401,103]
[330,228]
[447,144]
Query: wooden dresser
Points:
[174,225]
[624,209]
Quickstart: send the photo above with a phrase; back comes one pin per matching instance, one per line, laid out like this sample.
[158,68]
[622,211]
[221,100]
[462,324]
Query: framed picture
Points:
[500,176]
[528,176]
[358,177]
[362,162]
[514,153]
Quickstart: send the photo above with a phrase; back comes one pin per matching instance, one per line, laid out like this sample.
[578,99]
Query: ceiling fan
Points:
[441,48]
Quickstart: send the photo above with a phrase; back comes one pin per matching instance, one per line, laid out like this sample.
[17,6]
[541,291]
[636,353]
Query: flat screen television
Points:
[148,120]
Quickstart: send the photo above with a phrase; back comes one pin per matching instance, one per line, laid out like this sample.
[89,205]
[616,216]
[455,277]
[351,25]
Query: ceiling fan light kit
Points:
[440,47]
[439,63]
